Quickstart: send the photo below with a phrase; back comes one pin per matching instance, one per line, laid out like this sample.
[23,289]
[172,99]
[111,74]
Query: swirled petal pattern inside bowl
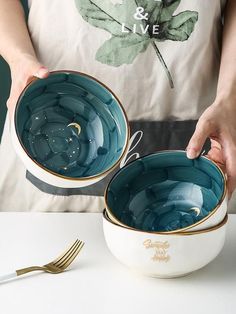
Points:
[71,125]
[165,191]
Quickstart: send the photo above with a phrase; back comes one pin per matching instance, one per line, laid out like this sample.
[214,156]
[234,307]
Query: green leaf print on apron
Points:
[136,24]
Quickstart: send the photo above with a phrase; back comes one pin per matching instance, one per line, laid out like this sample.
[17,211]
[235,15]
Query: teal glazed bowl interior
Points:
[71,125]
[165,192]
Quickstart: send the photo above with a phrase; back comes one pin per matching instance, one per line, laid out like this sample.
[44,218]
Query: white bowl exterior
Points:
[163,256]
[42,174]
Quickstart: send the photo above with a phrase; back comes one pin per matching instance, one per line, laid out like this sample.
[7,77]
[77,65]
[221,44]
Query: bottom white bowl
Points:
[164,255]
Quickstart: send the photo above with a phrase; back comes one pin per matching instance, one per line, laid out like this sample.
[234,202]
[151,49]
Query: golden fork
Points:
[57,266]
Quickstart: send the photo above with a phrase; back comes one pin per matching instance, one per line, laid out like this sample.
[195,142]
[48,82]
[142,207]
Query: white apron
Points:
[160,58]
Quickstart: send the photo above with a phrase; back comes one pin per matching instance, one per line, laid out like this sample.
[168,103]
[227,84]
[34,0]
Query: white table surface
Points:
[97,282]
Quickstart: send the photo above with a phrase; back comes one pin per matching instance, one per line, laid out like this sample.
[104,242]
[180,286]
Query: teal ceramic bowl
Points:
[167,192]
[70,130]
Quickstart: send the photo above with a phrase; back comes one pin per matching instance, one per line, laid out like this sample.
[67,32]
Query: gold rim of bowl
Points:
[214,210]
[180,233]
[89,178]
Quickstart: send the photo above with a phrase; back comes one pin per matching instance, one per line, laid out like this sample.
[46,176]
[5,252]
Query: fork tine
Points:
[72,257]
[67,255]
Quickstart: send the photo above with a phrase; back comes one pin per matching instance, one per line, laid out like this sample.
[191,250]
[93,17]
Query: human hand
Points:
[22,72]
[218,123]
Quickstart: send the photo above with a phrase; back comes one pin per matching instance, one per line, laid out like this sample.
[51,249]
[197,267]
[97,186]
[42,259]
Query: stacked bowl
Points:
[166,215]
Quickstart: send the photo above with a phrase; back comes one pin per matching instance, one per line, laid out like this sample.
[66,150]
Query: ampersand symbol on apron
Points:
[140,14]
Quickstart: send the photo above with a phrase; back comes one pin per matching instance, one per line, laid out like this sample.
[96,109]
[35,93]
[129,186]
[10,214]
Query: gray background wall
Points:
[5,82]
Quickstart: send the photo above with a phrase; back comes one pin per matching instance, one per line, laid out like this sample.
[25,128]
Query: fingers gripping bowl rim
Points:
[174,193]
[102,120]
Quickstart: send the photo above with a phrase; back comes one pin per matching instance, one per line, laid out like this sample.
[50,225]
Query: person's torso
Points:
[161,58]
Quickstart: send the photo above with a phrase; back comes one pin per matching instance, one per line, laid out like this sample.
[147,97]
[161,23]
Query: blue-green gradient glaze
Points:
[48,106]
[165,191]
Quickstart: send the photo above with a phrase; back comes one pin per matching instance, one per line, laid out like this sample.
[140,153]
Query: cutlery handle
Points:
[8,276]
